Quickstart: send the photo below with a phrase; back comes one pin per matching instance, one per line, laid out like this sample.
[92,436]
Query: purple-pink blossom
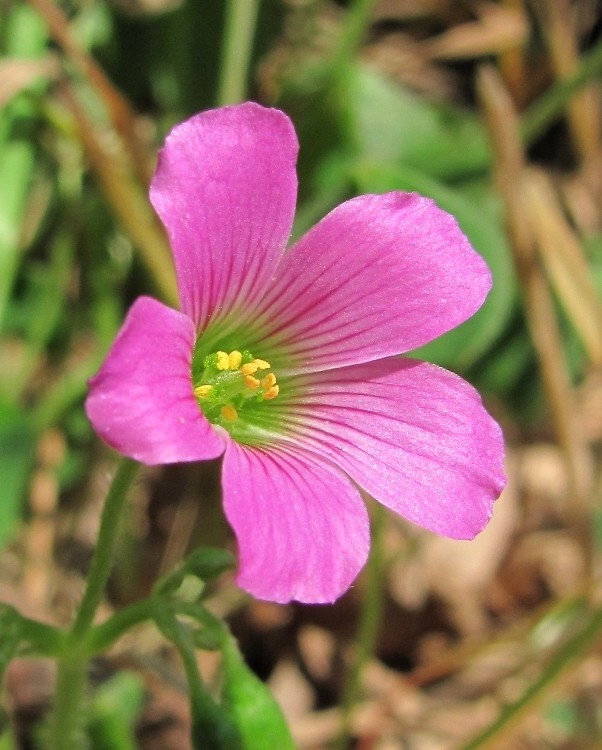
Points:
[286,361]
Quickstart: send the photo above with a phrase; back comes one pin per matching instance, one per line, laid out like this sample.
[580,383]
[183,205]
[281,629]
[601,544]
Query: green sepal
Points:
[206,563]
[210,633]
[212,728]
[250,704]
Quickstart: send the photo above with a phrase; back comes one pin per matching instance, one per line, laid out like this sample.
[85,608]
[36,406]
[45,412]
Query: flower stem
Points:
[241,18]
[67,725]
[211,727]
[105,546]
[104,635]
[369,624]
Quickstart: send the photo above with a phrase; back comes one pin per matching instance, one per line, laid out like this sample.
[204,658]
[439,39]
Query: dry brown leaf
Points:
[17,74]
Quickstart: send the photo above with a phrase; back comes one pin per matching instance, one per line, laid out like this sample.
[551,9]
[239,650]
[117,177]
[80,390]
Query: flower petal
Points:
[141,401]
[302,527]
[380,275]
[414,436]
[225,189]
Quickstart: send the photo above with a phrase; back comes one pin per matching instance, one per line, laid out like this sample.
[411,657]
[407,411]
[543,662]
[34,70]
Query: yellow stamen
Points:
[251,382]
[202,391]
[234,359]
[229,413]
[262,364]
[249,369]
[223,361]
[268,381]
[272,393]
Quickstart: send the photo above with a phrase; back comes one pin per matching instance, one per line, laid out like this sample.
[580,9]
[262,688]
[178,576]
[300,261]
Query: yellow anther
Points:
[234,359]
[223,361]
[271,393]
[249,369]
[268,381]
[251,382]
[262,364]
[229,413]
[202,391]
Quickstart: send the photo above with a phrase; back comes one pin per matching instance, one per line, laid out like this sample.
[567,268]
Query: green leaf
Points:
[16,168]
[461,347]
[116,706]
[251,705]
[512,360]
[7,738]
[26,34]
[17,441]
[207,563]
[393,125]
[25,37]
[10,635]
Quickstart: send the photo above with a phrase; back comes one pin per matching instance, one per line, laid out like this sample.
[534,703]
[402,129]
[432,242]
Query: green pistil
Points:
[228,383]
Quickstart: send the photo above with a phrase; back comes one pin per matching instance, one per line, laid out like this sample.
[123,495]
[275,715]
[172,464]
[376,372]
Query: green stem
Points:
[104,635]
[67,729]
[211,727]
[67,725]
[551,104]
[556,667]
[105,546]
[370,619]
[241,19]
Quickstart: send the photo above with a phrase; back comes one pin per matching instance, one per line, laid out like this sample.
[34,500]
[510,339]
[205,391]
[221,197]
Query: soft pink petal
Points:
[302,528]
[141,401]
[226,188]
[414,436]
[380,275]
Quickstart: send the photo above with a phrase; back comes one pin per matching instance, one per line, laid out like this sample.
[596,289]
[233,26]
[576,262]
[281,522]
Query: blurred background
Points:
[490,107]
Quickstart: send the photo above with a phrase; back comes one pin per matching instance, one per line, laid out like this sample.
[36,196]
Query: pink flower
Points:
[284,362]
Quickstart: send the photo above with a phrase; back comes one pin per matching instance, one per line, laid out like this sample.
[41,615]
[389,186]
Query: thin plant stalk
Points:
[369,624]
[241,21]
[67,726]
[107,540]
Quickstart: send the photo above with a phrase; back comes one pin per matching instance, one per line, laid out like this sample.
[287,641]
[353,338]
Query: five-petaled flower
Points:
[286,362]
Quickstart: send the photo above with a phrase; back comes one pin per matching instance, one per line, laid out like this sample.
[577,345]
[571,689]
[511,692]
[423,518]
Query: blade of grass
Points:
[582,111]
[124,196]
[565,264]
[509,170]
[122,115]
[241,20]
[565,658]
[542,113]
[354,29]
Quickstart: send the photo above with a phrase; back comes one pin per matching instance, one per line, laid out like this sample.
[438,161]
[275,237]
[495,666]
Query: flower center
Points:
[229,382]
